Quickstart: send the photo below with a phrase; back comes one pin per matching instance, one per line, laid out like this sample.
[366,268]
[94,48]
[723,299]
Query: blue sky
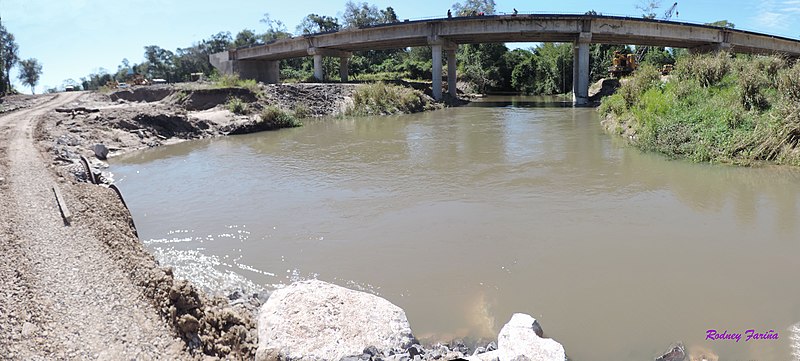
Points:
[72,38]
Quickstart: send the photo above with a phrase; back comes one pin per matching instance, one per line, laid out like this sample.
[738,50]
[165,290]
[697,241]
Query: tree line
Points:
[543,69]
[29,69]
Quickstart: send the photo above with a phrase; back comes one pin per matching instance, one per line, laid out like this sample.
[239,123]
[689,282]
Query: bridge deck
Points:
[524,28]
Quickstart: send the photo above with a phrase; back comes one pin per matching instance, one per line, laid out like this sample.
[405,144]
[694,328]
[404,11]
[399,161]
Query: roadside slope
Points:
[62,296]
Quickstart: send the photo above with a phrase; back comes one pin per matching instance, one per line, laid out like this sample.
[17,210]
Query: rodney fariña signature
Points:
[749,335]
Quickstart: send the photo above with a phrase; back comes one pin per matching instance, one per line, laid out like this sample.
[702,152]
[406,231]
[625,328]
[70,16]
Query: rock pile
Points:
[314,320]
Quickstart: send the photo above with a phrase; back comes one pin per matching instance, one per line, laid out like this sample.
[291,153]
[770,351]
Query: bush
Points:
[382,99]
[646,77]
[274,118]
[237,106]
[789,84]
[721,110]
[706,69]
[614,105]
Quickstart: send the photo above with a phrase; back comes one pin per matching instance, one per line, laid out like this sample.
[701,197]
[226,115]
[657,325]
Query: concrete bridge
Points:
[262,62]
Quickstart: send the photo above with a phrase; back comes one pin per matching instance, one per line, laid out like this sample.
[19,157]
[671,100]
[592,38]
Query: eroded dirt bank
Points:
[86,288]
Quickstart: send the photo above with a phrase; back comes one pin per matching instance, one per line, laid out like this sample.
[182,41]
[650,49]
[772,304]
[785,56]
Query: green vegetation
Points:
[273,117]
[237,106]
[233,81]
[29,72]
[715,108]
[9,57]
[382,99]
[301,111]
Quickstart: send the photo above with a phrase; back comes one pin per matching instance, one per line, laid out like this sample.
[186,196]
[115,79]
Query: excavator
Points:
[625,64]
[622,65]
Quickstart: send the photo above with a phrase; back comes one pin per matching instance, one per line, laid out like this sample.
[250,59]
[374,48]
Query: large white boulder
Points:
[521,338]
[315,320]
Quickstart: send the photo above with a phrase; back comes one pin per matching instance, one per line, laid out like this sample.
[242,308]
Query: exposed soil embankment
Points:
[150,116]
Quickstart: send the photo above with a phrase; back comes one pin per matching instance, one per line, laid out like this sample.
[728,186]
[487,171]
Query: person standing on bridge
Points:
[515,11]
[449,14]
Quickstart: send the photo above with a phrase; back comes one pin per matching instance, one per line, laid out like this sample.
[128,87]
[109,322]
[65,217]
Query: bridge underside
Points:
[260,62]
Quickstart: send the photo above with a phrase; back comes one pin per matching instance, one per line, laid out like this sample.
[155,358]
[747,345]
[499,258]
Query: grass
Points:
[302,111]
[715,108]
[237,106]
[384,99]
[273,117]
[233,81]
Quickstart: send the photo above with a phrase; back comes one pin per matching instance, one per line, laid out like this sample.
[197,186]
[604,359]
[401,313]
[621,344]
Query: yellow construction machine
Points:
[622,65]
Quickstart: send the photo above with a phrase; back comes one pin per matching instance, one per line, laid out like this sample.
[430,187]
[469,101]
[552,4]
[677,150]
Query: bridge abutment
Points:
[265,71]
[580,70]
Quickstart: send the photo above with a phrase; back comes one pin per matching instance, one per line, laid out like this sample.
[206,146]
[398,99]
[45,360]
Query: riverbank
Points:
[713,108]
[148,116]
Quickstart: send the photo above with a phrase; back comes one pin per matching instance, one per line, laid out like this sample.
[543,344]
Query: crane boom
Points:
[641,50]
[668,13]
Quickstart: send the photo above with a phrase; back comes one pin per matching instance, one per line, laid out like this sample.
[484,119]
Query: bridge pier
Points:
[451,71]
[580,70]
[437,44]
[344,68]
[344,64]
[319,74]
[437,71]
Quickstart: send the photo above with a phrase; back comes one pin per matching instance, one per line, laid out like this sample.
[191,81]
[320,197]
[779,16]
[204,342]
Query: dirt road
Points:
[61,294]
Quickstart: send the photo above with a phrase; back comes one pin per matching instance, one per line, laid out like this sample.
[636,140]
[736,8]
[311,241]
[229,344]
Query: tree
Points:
[478,6]
[246,38]
[9,57]
[723,24]
[314,23]
[30,71]
[547,71]
[648,8]
[601,57]
[481,64]
[360,15]
[388,16]
[160,62]
[275,29]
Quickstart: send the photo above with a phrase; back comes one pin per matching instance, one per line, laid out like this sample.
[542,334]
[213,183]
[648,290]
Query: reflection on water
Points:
[465,216]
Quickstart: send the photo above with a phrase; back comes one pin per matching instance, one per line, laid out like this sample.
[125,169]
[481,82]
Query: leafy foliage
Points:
[468,7]
[29,73]
[9,57]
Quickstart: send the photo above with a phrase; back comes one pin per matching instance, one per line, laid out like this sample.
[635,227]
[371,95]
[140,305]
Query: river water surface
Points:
[464,216]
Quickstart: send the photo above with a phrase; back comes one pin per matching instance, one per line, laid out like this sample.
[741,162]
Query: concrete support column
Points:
[344,68]
[437,71]
[273,72]
[318,73]
[265,71]
[580,70]
[451,71]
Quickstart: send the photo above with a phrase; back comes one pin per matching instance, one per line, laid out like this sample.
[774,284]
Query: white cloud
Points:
[775,15]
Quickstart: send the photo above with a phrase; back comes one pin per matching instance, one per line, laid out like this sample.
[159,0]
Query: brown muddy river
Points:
[465,216]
